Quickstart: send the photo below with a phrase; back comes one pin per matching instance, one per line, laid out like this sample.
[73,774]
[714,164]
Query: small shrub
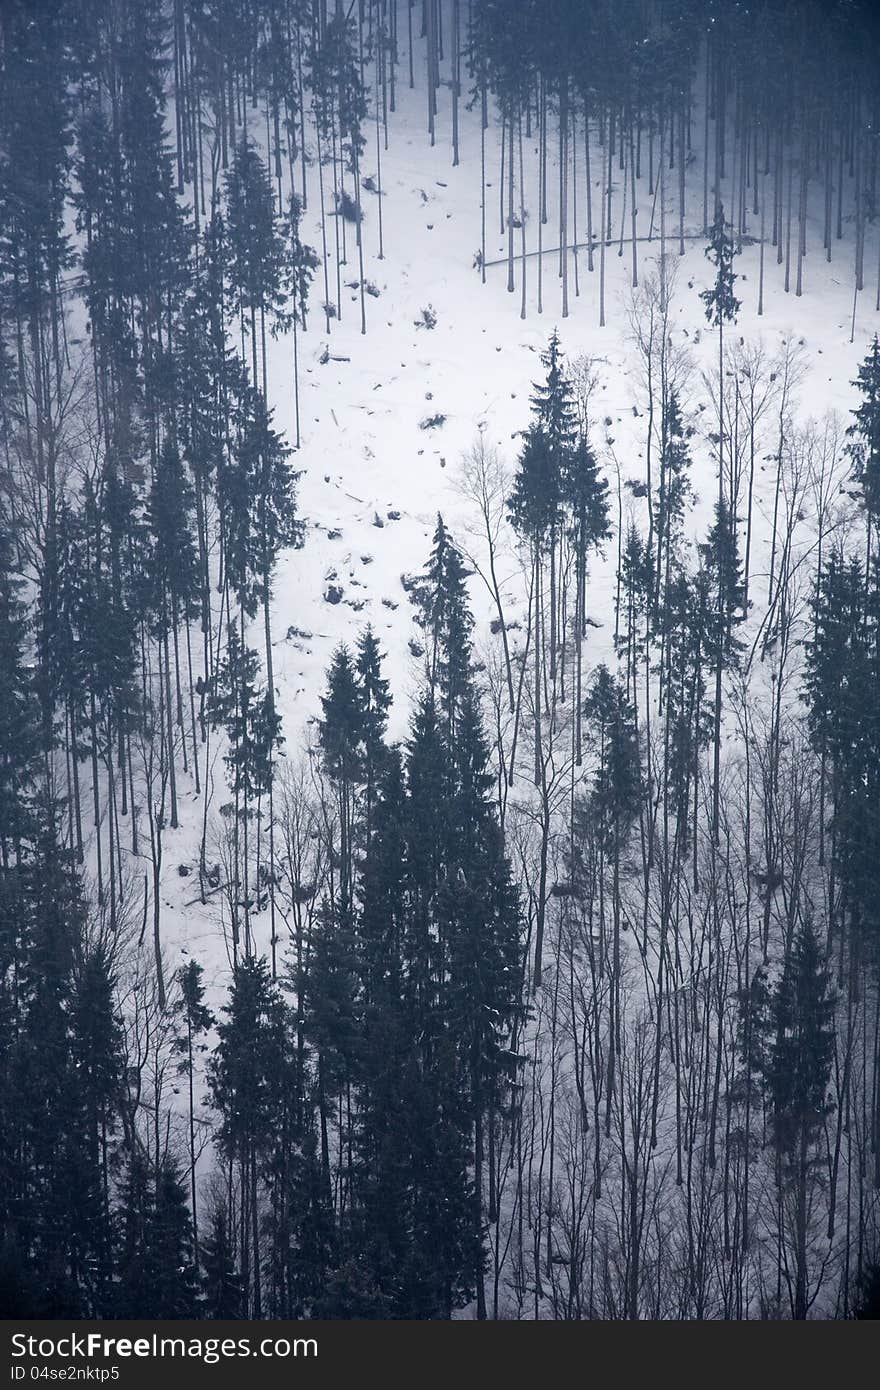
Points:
[348,208]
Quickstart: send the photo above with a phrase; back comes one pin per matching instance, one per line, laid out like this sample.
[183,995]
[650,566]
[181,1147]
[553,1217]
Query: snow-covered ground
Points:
[373,479]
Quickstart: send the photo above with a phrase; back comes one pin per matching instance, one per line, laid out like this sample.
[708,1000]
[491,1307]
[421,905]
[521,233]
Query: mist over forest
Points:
[439,659]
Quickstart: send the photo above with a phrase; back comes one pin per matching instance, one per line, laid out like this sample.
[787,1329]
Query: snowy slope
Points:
[365,460]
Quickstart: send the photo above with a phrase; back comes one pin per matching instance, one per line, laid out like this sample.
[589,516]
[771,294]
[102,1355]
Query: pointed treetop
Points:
[864,450]
[721,304]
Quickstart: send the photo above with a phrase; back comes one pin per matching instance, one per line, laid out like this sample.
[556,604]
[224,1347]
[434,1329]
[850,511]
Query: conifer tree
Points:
[172,1253]
[221,1286]
[615,801]
[155,1261]
[382,1222]
[332,1027]
[722,307]
[721,558]
[301,264]
[19,731]
[246,1076]
[336,79]
[97,1054]
[585,497]
[35,249]
[447,622]
[341,733]
[674,490]
[63,1067]
[465,958]
[257,264]
[842,685]
[869,1303]
[800,1064]
[536,503]
[376,701]
[253,729]
[173,564]
[172,583]
[864,432]
[194,1019]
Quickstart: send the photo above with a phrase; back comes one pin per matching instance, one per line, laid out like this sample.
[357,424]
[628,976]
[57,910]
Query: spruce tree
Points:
[156,1268]
[462,941]
[64,1071]
[341,732]
[721,307]
[864,432]
[246,1076]
[221,1285]
[585,498]
[257,250]
[535,505]
[174,1293]
[19,729]
[375,702]
[674,490]
[193,1019]
[384,1181]
[801,1057]
[253,728]
[615,800]
[446,620]
[842,689]
[98,1056]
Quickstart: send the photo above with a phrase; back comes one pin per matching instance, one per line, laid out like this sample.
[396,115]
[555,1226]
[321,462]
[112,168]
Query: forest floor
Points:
[374,476]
